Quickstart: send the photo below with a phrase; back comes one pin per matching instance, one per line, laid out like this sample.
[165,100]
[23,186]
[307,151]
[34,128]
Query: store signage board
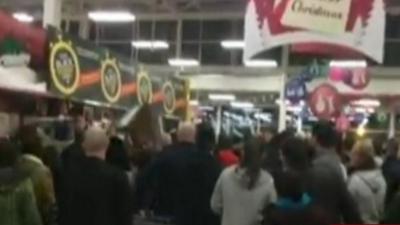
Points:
[273,23]
[83,71]
[329,16]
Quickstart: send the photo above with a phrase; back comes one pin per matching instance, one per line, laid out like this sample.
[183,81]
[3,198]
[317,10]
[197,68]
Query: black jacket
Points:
[94,193]
[183,179]
[327,186]
[311,215]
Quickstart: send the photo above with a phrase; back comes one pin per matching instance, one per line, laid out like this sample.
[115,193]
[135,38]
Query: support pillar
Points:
[392,124]
[282,102]
[52,11]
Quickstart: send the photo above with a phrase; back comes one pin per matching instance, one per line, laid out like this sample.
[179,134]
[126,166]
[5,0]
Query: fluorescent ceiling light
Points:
[242,105]
[194,102]
[261,63]
[348,63]
[367,103]
[150,44]
[233,44]
[221,97]
[111,16]
[278,101]
[183,62]
[23,17]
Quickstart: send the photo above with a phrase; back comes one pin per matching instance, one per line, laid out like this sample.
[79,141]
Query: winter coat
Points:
[182,180]
[95,193]
[43,186]
[391,172]
[309,214]
[368,189]
[17,199]
[236,203]
[392,213]
[325,183]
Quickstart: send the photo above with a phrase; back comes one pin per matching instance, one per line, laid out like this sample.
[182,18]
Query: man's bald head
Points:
[95,142]
[186,132]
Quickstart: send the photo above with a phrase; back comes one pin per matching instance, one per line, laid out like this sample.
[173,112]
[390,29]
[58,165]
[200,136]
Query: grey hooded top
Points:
[236,203]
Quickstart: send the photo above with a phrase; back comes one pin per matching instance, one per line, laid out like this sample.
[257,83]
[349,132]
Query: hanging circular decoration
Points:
[64,67]
[111,83]
[169,98]
[357,78]
[145,88]
[325,102]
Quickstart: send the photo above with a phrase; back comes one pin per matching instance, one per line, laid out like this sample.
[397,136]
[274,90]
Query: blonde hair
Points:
[364,146]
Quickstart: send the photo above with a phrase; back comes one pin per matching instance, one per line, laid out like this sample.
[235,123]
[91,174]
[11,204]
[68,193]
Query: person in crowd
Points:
[327,176]
[94,192]
[244,190]
[73,151]
[391,170]
[272,160]
[392,212]
[294,204]
[117,154]
[366,184]
[17,199]
[183,178]
[32,164]
[166,141]
[226,155]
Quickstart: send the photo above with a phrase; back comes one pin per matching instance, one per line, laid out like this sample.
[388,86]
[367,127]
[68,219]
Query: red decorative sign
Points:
[358,78]
[342,124]
[325,102]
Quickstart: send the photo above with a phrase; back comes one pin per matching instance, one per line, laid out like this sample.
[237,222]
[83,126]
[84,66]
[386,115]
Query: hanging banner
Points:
[323,16]
[82,71]
[357,25]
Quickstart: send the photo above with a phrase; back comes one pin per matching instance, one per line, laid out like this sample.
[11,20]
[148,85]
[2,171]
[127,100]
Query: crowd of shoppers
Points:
[199,179]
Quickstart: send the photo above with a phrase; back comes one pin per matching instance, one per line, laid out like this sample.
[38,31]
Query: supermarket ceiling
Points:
[140,6]
[151,6]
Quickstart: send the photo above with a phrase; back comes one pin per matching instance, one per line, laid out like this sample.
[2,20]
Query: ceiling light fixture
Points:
[348,63]
[367,103]
[233,44]
[222,97]
[194,102]
[183,62]
[247,105]
[111,16]
[142,44]
[261,63]
[23,17]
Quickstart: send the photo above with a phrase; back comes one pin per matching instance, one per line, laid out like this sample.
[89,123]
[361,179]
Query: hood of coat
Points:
[242,178]
[372,178]
[10,178]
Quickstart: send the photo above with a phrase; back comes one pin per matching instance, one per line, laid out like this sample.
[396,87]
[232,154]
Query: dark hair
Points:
[392,147]
[8,154]
[290,184]
[251,161]
[30,141]
[295,152]
[325,134]
[205,137]
[225,142]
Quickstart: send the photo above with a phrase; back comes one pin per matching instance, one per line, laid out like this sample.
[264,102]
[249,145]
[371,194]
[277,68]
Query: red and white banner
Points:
[357,25]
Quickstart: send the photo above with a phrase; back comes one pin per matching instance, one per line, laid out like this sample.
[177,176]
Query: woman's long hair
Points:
[251,161]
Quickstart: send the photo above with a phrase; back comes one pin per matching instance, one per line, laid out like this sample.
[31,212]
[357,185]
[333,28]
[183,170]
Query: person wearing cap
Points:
[367,184]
